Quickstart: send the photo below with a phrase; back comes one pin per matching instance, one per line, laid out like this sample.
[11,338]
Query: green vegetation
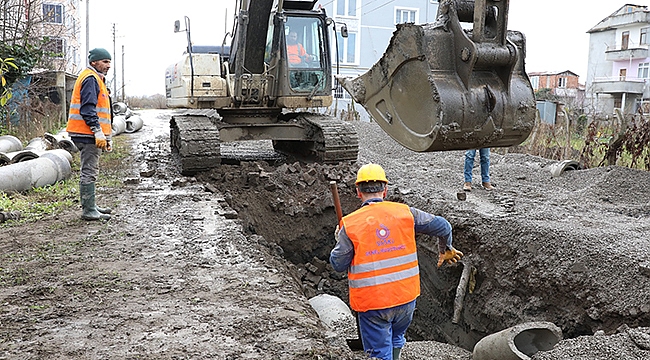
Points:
[625,142]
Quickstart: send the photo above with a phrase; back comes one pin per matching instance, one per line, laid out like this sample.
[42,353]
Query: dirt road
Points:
[216,266]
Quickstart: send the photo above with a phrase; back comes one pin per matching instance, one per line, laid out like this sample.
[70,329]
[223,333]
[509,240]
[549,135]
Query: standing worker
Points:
[89,126]
[484,157]
[376,244]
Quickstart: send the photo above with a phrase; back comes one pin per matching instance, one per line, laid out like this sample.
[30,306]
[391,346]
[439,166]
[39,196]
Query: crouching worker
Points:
[89,126]
[376,245]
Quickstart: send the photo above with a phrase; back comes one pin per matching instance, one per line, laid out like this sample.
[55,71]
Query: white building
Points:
[619,61]
[370,27]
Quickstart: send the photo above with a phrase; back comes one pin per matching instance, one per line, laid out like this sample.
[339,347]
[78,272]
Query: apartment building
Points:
[61,25]
[370,25]
[619,61]
[56,21]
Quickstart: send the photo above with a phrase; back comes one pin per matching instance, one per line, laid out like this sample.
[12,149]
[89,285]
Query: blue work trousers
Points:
[484,155]
[383,330]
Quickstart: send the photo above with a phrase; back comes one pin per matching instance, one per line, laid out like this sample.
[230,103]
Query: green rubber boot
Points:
[88,206]
[396,352]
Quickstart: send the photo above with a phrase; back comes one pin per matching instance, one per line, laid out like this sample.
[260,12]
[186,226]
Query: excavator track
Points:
[332,140]
[195,140]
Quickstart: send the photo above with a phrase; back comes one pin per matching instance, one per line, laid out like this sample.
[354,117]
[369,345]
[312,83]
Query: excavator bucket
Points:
[440,87]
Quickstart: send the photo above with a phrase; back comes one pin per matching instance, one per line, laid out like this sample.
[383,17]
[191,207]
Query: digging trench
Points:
[290,205]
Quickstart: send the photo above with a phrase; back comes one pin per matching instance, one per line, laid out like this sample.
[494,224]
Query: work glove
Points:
[450,256]
[336,233]
[109,145]
[100,140]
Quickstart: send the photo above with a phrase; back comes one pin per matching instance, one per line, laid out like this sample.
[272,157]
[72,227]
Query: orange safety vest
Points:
[76,124]
[295,53]
[384,271]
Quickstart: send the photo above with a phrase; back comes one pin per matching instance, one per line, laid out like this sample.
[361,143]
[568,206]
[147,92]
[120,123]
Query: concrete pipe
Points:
[133,124]
[37,144]
[119,108]
[4,159]
[119,125]
[62,140]
[518,342]
[334,313]
[10,143]
[23,155]
[560,167]
[49,168]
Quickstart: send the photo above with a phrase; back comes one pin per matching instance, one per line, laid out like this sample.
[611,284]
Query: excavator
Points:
[439,86]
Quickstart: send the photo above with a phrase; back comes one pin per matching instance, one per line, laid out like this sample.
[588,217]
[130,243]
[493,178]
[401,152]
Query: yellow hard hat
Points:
[371,172]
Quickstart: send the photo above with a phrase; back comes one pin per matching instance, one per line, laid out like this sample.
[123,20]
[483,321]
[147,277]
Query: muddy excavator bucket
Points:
[439,87]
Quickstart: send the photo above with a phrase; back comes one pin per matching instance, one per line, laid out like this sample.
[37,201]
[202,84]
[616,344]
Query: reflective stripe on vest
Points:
[384,264]
[76,123]
[384,271]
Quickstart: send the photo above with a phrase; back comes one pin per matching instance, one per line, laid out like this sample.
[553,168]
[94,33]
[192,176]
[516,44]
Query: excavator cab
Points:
[304,49]
[298,56]
[446,86]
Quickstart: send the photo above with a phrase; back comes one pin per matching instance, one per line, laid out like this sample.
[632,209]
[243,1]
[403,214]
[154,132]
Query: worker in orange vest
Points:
[295,51]
[376,245]
[89,127]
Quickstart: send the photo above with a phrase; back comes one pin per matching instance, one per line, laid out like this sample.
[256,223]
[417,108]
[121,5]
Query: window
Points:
[405,16]
[643,40]
[534,81]
[55,48]
[346,7]
[347,48]
[561,82]
[625,40]
[53,13]
[644,71]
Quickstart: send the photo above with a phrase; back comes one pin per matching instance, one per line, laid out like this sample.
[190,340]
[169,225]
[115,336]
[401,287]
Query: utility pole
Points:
[114,65]
[87,31]
[123,96]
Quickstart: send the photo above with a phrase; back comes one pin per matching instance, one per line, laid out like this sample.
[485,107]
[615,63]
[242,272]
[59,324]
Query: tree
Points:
[5,89]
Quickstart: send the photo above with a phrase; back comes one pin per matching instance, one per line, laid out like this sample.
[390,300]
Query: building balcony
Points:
[616,85]
[627,54]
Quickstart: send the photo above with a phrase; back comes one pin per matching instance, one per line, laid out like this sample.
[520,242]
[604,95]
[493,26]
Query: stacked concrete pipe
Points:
[62,140]
[519,342]
[33,150]
[119,125]
[10,143]
[133,124]
[49,168]
[119,108]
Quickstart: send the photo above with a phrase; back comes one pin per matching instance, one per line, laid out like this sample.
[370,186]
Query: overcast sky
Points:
[555,30]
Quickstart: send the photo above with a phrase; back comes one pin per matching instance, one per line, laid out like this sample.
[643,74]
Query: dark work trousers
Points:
[89,162]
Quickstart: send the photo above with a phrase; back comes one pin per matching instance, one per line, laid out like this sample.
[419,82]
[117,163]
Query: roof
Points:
[551,73]
[605,24]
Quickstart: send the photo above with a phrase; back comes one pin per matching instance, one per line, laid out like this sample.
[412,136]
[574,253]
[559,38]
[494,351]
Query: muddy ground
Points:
[221,265]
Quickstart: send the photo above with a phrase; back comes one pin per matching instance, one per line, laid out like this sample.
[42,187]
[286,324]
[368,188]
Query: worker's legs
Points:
[383,330]
[484,155]
[89,155]
[403,315]
[469,165]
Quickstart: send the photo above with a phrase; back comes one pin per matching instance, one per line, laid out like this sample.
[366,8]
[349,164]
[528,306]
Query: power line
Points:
[378,7]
